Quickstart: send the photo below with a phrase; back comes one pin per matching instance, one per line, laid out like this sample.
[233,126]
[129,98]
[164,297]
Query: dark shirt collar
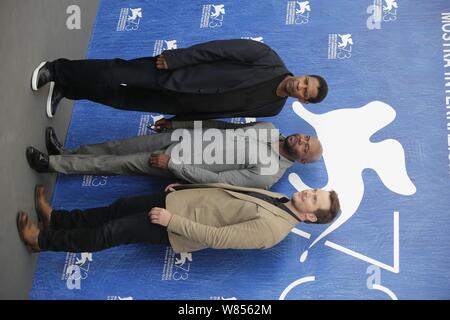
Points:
[278,202]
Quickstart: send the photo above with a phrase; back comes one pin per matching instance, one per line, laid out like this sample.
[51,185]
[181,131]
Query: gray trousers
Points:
[119,157]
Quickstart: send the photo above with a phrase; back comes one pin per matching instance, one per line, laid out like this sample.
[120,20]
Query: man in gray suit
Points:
[189,218]
[241,158]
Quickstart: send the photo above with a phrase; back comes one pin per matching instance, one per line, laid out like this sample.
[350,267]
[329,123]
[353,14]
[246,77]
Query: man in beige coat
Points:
[186,217]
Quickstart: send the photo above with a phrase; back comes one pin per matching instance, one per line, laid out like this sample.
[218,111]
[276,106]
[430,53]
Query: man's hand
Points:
[160,161]
[161,63]
[160,216]
[162,124]
[171,186]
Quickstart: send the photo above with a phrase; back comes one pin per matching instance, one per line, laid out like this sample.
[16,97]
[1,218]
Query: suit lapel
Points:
[231,188]
[268,206]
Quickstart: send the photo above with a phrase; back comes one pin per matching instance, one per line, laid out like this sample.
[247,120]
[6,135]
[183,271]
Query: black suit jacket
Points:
[220,66]
[268,110]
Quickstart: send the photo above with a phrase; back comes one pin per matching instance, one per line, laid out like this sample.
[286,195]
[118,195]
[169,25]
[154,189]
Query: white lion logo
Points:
[347,150]
[183,256]
[219,9]
[390,4]
[85,256]
[346,40]
[135,13]
[258,39]
[157,118]
[171,44]
[304,6]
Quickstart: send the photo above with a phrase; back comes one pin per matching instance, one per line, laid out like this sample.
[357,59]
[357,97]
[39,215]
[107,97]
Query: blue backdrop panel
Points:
[384,131]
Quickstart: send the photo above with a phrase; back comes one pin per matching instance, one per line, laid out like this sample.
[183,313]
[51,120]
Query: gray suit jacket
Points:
[250,172]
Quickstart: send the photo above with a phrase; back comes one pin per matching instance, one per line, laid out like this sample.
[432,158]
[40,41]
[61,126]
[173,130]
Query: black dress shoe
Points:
[52,143]
[41,76]
[53,99]
[37,160]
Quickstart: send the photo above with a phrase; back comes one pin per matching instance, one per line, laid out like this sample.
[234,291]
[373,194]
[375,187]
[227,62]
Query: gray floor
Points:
[32,31]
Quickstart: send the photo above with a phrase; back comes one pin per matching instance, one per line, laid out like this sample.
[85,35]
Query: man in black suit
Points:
[216,79]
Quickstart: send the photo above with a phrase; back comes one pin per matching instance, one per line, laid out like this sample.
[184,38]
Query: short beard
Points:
[288,149]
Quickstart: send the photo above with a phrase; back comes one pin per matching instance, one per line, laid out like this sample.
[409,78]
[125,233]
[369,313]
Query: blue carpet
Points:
[385,136]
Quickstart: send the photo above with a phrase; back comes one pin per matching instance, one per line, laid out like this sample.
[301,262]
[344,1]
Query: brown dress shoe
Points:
[42,207]
[28,232]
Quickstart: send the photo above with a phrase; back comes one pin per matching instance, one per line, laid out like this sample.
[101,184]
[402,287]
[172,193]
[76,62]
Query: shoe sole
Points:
[36,188]
[47,139]
[34,79]
[22,238]
[49,100]
[28,155]
[18,226]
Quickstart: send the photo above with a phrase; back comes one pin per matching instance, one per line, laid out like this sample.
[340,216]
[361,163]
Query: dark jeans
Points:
[123,222]
[122,84]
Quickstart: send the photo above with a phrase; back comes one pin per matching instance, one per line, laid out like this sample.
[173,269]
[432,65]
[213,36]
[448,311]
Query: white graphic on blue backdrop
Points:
[183,257]
[135,13]
[219,10]
[395,247]
[303,7]
[379,69]
[308,279]
[346,40]
[390,4]
[85,256]
[347,150]
[170,45]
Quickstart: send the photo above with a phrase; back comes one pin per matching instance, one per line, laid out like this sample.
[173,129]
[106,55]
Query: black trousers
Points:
[122,84]
[123,222]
